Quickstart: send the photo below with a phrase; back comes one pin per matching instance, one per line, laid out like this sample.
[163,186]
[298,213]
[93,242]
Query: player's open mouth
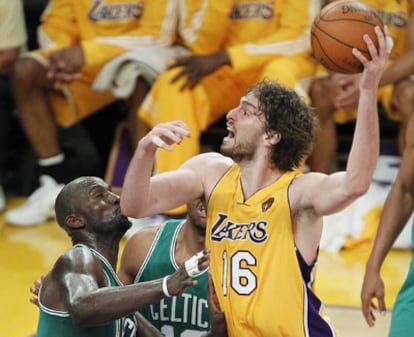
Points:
[230,133]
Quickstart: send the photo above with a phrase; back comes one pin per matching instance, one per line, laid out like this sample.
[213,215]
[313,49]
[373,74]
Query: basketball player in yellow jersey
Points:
[335,96]
[53,85]
[264,217]
[262,39]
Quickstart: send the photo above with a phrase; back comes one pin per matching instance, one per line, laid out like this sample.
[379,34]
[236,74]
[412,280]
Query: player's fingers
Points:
[166,134]
[359,56]
[381,305]
[382,49]
[368,314]
[182,73]
[178,62]
[371,47]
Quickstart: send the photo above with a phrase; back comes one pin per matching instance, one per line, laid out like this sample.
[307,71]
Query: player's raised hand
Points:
[164,135]
[374,68]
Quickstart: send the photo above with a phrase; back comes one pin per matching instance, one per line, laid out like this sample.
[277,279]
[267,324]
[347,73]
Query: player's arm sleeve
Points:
[291,37]
[58,25]
[156,27]
[203,24]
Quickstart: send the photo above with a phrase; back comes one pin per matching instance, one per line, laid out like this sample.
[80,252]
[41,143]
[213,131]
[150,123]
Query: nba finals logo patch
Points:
[267,204]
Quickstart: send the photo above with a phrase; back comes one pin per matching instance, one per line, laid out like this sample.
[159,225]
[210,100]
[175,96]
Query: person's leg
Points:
[137,127]
[322,157]
[40,110]
[30,90]
[5,113]
[403,100]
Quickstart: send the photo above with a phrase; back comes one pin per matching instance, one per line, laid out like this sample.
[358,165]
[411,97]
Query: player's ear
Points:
[273,137]
[74,221]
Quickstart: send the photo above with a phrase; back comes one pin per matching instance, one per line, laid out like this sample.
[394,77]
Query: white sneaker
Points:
[39,207]
[2,199]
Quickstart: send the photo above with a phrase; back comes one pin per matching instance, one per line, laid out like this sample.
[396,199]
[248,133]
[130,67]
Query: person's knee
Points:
[27,73]
[405,91]
[319,94]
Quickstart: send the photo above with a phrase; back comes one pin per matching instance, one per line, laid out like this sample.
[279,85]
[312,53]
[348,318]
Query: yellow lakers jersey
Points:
[263,285]
[259,30]
[395,14]
[108,28]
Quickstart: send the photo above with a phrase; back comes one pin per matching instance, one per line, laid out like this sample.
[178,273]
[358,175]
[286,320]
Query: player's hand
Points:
[374,68]
[164,135]
[65,65]
[345,90]
[183,278]
[372,287]
[195,67]
[34,289]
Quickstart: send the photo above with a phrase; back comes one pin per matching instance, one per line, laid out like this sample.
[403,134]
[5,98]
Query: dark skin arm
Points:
[77,285]
[7,59]
[134,253]
[145,328]
[217,318]
[397,209]
[197,67]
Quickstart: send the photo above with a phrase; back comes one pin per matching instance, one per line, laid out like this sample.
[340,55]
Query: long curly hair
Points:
[288,114]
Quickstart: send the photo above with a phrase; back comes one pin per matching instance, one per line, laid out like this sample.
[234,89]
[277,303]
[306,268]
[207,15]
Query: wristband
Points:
[191,265]
[164,287]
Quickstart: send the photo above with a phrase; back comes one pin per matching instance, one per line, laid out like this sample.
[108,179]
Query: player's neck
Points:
[256,177]
[189,242]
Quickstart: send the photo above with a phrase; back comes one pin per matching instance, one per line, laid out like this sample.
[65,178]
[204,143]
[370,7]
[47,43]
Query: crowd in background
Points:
[195,59]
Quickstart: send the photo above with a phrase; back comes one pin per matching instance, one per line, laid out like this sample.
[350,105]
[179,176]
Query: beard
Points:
[239,151]
[197,223]
[116,223]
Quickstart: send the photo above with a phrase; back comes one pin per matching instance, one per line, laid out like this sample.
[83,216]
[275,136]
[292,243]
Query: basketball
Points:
[340,27]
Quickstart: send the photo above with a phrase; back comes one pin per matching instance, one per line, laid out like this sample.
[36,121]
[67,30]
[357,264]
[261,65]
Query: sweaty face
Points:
[197,214]
[245,127]
[103,211]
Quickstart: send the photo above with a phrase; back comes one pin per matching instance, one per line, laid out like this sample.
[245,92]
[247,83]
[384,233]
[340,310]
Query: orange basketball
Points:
[340,27]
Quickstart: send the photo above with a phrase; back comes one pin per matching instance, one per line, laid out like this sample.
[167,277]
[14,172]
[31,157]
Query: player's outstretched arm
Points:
[144,195]
[338,190]
[397,209]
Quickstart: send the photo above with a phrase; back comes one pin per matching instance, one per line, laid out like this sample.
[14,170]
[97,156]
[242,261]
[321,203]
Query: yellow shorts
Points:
[77,100]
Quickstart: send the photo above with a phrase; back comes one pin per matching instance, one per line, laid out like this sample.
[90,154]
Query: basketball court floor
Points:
[27,253]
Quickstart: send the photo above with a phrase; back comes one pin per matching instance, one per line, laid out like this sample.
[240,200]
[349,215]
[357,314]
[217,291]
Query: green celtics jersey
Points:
[58,323]
[179,316]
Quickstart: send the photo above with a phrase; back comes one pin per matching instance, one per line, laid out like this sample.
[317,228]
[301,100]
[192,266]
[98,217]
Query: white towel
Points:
[119,75]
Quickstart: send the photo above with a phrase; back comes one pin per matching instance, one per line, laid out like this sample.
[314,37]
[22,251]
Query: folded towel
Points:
[119,75]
